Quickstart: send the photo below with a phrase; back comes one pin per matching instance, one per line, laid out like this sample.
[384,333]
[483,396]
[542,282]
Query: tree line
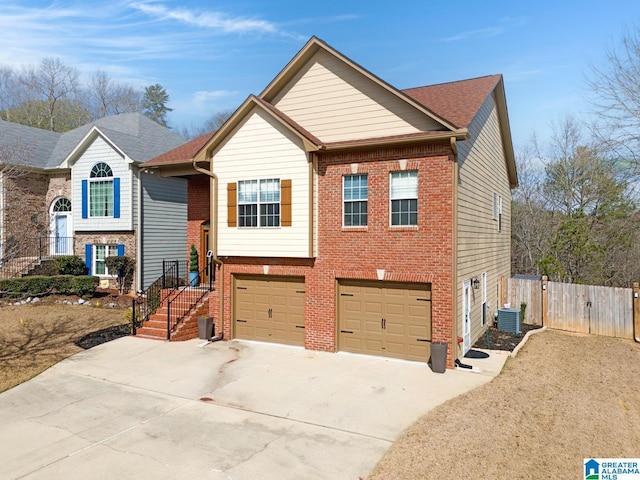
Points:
[575,214]
[50,96]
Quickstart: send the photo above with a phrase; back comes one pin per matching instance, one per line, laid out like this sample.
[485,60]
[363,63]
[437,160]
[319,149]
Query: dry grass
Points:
[562,399]
[34,337]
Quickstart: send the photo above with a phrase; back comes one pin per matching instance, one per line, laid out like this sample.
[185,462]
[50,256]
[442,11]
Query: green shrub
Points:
[83,286]
[70,265]
[193,259]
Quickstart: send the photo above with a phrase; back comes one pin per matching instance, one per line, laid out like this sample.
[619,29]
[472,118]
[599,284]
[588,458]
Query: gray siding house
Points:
[83,193]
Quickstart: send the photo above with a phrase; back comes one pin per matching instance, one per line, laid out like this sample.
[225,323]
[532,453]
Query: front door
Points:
[62,239]
[204,248]
[466,317]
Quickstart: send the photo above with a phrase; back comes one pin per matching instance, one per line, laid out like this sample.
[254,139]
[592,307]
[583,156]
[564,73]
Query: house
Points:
[83,193]
[348,215]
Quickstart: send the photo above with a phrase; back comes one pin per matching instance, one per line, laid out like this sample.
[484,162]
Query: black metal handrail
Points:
[55,246]
[19,258]
[188,297]
[147,302]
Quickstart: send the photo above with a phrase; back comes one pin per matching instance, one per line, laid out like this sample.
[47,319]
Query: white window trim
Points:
[94,262]
[391,199]
[258,203]
[344,202]
[92,180]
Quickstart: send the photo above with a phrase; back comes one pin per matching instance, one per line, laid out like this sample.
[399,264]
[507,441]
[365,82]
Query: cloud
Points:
[481,33]
[212,20]
[207,95]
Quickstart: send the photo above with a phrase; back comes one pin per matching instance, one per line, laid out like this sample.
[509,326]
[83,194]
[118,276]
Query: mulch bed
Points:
[103,336]
[499,340]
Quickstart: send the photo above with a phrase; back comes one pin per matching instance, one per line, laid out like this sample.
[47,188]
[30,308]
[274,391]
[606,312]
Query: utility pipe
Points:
[213,238]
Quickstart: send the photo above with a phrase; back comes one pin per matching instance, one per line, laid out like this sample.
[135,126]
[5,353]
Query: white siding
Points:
[261,148]
[335,103]
[481,247]
[101,151]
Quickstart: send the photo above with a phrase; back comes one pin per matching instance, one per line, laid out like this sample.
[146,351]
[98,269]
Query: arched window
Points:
[101,191]
[62,205]
[101,170]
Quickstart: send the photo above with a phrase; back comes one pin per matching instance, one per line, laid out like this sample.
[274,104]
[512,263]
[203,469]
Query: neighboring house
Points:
[357,217]
[82,193]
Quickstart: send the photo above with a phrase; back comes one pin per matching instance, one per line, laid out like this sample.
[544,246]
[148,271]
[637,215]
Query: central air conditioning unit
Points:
[509,320]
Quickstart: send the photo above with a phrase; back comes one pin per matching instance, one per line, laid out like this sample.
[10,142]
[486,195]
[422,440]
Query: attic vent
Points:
[509,320]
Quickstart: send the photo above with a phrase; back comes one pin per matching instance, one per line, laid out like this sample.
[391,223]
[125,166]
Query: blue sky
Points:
[210,56]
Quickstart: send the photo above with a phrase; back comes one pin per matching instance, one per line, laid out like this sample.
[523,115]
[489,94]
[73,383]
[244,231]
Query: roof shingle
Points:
[457,102]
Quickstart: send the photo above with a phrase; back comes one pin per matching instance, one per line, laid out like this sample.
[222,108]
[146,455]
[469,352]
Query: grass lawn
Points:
[562,399]
[34,337]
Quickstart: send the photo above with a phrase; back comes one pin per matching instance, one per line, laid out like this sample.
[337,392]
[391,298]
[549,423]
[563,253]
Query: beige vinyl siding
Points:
[481,248]
[261,148]
[101,151]
[335,103]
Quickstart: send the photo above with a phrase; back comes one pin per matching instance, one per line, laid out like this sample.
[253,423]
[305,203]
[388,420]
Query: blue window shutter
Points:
[88,257]
[85,199]
[120,250]
[116,198]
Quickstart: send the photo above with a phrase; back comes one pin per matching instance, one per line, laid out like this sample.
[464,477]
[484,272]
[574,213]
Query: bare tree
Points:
[52,89]
[107,97]
[616,100]
[213,123]
[574,219]
[22,197]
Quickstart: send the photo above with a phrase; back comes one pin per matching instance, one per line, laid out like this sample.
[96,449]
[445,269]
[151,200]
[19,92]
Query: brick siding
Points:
[423,253]
[197,211]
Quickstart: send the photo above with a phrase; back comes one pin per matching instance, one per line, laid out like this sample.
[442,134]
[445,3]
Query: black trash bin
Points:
[439,356]
[205,328]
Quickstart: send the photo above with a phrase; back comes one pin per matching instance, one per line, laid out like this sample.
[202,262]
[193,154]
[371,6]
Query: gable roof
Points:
[136,136]
[310,49]
[453,106]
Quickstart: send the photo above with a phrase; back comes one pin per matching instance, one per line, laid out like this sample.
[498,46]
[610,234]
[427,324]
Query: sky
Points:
[210,55]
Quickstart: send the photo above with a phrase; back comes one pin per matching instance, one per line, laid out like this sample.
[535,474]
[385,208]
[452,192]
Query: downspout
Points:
[213,237]
[454,324]
[138,179]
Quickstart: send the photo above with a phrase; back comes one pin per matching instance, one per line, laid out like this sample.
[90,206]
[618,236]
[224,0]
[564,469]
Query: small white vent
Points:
[509,320]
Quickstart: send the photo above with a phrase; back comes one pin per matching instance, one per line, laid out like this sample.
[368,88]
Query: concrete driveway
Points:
[143,409]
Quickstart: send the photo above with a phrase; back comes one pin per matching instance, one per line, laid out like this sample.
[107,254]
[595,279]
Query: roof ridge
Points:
[453,82]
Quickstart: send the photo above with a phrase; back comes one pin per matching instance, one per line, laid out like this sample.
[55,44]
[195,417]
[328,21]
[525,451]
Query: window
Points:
[100,253]
[259,203]
[62,205]
[497,210]
[404,198]
[355,191]
[101,191]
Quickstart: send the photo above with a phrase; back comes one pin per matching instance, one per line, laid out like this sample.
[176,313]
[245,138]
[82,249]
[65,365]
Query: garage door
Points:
[384,318]
[269,309]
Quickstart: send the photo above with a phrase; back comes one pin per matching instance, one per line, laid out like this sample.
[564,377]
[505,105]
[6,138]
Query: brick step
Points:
[151,332]
[187,329]
[156,323]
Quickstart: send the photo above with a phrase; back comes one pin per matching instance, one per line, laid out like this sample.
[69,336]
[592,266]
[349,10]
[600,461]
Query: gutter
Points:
[213,237]
[454,234]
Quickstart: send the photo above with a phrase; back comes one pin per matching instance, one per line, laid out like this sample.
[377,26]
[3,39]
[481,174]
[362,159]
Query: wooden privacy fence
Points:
[608,311]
